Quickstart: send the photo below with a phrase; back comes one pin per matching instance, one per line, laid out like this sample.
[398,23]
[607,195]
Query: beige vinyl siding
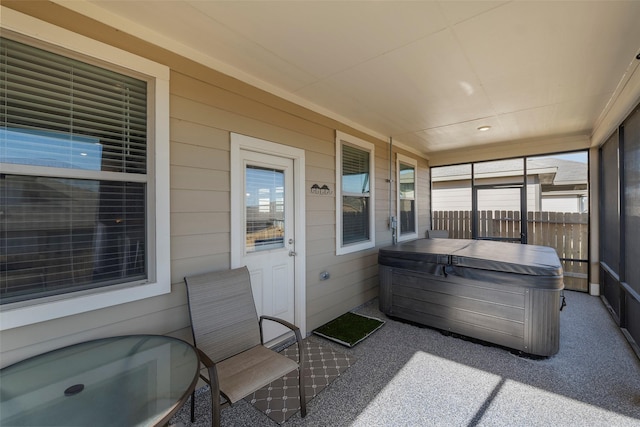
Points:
[205,106]
[353,281]
[152,315]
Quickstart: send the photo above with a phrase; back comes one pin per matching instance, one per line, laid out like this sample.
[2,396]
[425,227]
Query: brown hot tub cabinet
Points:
[502,293]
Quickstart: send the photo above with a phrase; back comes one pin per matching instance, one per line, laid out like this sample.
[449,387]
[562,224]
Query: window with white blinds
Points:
[355,196]
[73,187]
[407,210]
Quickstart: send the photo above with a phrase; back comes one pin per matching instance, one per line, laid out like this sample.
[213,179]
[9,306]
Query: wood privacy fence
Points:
[566,232]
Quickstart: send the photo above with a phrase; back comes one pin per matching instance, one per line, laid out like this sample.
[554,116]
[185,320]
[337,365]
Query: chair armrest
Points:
[281,321]
[289,325]
[206,360]
[212,371]
[296,331]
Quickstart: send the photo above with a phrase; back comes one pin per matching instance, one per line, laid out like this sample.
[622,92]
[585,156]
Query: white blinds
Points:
[75,104]
[355,195]
[355,170]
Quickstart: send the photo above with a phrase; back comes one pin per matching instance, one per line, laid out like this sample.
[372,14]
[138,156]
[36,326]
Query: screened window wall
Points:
[619,224]
[540,200]
[73,187]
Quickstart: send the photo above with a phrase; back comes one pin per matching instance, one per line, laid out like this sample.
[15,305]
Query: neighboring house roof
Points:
[567,171]
[559,171]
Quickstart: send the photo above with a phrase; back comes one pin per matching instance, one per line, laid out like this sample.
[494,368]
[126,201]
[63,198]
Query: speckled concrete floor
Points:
[405,375]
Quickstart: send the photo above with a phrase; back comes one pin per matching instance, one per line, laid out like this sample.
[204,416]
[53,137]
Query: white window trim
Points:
[400,158]
[354,247]
[42,309]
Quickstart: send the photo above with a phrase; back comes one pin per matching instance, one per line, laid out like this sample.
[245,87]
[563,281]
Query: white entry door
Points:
[265,238]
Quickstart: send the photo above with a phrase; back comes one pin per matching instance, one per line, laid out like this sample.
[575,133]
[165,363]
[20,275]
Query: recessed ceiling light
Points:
[484,128]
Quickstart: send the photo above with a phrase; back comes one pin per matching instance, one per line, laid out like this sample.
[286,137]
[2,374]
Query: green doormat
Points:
[349,329]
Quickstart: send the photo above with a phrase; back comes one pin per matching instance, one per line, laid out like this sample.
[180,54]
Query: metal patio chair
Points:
[227,334]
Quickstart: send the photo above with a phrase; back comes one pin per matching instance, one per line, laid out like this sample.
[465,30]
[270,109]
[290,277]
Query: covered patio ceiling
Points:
[428,74]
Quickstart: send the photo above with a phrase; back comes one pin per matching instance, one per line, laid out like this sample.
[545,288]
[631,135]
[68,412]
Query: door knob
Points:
[292,253]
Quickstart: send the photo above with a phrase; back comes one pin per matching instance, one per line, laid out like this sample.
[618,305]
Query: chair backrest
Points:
[224,320]
[437,234]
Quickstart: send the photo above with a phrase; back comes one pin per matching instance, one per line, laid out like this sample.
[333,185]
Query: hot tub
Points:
[503,293]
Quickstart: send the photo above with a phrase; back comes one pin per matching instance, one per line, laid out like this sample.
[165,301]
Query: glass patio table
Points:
[137,380]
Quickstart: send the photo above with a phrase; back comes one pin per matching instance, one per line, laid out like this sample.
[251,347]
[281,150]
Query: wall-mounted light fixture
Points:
[484,128]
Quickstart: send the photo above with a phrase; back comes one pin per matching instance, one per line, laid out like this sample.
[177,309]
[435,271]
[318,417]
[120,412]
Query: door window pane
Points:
[264,207]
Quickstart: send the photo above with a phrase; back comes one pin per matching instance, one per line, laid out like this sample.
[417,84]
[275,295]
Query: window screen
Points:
[610,215]
[632,199]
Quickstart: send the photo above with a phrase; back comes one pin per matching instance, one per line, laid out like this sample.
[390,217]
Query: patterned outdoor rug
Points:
[280,399]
